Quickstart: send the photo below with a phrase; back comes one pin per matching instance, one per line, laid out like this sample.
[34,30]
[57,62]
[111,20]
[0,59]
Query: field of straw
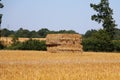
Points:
[37,65]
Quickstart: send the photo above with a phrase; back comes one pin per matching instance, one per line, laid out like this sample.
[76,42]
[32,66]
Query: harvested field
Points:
[37,65]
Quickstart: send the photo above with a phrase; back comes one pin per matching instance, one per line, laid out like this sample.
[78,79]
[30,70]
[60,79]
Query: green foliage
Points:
[64,31]
[33,45]
[99,41]
[116,44]
[1,45]
[101,35]
[14,46]
[6,33]
[117,34]
[23,33]
[91,44]
[89,33]
[88,44]
[14,39]
[104,16]
[43,32]
[29,45]
[31,34]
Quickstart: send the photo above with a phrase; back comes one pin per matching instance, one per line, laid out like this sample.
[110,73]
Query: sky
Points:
[53,14]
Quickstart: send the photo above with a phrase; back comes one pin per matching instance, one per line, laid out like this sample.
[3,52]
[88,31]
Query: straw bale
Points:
[64,42]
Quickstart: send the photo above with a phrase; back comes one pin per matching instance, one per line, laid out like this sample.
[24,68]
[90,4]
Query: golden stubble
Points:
[38,65]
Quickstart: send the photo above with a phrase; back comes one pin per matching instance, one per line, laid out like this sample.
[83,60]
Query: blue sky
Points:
[53,14]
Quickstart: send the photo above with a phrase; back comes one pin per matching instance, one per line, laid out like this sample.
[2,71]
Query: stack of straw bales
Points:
[64,43]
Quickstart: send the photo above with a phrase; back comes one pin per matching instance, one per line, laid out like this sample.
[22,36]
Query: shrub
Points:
[92,44]
[99,41]
[15,46]
[116,44]
[1,46]
[33,45]
[29,45]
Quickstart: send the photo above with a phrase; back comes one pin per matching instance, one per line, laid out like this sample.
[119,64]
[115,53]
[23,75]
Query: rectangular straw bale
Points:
[64,42]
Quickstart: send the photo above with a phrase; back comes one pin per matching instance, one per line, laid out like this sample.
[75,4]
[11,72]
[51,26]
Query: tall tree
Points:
[104,16]
[1,6]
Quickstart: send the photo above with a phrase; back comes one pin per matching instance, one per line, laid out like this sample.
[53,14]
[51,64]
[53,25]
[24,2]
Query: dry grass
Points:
[36,65]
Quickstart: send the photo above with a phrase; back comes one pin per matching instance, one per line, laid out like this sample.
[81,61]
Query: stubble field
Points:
[38,65]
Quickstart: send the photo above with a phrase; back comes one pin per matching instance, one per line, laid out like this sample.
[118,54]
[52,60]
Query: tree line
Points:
[32,34]
[44,31]
[91,33]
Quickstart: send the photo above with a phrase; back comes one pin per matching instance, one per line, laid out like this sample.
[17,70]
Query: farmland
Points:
[8,40]
[40,65]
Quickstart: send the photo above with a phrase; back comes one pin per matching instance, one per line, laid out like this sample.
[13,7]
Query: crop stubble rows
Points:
[36,65]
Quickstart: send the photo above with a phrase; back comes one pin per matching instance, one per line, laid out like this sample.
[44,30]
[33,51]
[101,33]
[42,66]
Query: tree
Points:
[43,32]
[1,6]
[23,33]
[34,34]
[5,32]
[104,16]
[89,33]
[99,41]
[117,34]
[67,31]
